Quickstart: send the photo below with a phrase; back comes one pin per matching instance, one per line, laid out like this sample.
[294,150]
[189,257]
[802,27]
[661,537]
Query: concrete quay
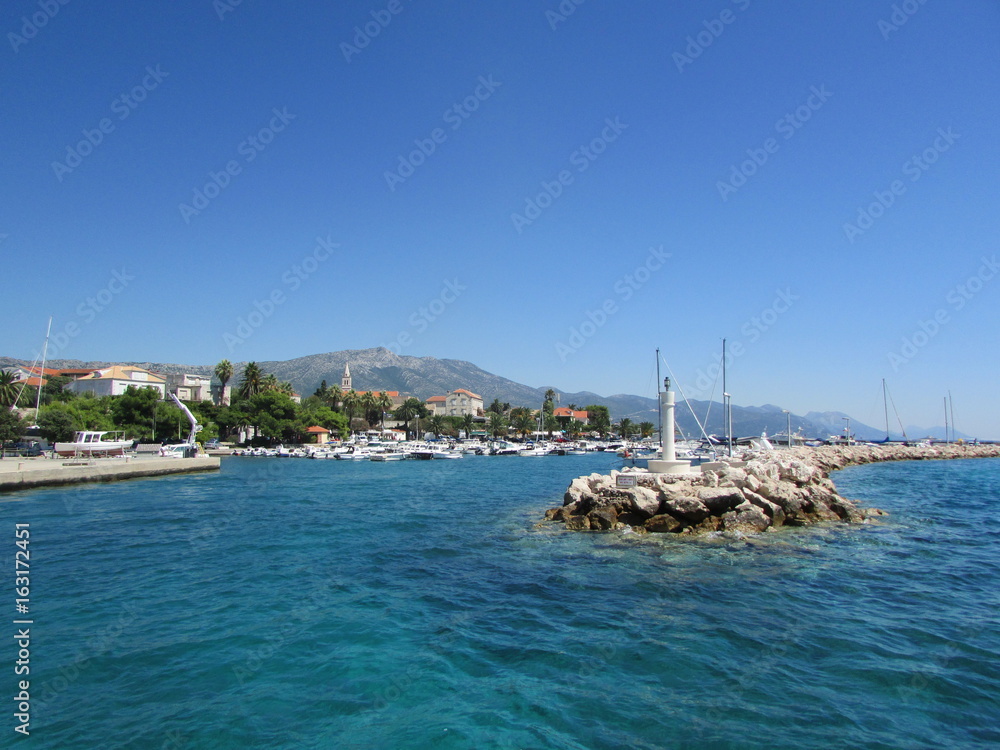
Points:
[26,473]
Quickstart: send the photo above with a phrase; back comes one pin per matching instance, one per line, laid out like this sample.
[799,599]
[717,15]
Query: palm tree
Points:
[436,424]
[270,383]
[253,380]
[524,423]
[351,401]
[498,425]
[369,407]
[646,429]
[496,407]
[8,390]
[625,427]
[409,409]
[467,423]
[384,403]
[224,372]
[574,427]
[334,397]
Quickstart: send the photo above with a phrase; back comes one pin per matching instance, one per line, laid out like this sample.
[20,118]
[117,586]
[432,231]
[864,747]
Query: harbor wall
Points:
[19,474]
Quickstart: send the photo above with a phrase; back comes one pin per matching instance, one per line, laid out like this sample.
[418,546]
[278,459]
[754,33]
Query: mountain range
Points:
[423,377]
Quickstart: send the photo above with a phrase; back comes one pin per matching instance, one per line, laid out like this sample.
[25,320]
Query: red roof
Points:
[32,381]
[315,429]
[390,394]
[470,393]
[565,411]
[436,399]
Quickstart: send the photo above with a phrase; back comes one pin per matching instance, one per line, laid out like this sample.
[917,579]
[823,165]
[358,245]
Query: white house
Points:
[115,380]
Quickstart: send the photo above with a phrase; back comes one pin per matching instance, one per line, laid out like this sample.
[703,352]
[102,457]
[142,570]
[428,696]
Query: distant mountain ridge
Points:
[381,369]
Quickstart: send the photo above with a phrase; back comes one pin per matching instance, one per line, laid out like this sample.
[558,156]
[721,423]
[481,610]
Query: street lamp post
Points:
[848,429]
[788,428]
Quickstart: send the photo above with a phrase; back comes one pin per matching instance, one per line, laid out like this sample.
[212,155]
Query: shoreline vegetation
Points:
[762,492]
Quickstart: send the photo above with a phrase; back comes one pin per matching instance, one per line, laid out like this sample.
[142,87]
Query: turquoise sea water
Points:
[289,603]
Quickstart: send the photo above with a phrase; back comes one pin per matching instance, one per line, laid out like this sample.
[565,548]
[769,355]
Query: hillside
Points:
[423,377]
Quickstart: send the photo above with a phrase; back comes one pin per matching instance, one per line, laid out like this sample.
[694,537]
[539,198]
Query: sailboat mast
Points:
[885,405]
[659,408]
[946,419]
[951,407]
[41,373]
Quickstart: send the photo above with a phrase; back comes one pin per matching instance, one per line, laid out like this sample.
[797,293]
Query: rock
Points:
[720,499]
[782,494]
[710,524]
[750,520]
[602,519]
[686,508]
[797,472]
[771,510]
[663,524]
[578,523]
[577,489]
[645,501]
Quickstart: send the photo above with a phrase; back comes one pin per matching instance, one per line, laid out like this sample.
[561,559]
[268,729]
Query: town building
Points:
[189,387]
[115,380]
[565,415]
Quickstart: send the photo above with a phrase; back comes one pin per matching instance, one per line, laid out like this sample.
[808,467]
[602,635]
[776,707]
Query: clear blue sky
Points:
[635,115]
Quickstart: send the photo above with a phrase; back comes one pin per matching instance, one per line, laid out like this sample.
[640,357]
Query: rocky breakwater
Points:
[765,491]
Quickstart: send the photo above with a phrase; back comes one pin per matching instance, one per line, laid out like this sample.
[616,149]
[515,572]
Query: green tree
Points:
[497,425]
[436,424]
[468,421]
[352,402]
[11,425]
[523,422]
[8,389]
[253,380]
[599,418]
[384,403]
[56,423]
[551,424]
[134,411]
[574,428]
[412,408]
[625,427]
[273,413]
[646,429]
[224,372]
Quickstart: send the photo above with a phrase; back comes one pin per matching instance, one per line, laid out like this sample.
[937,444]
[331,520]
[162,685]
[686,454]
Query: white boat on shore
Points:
[93,444]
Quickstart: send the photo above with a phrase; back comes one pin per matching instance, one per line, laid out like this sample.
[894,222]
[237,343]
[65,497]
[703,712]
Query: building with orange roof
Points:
[115,380]
[567,414]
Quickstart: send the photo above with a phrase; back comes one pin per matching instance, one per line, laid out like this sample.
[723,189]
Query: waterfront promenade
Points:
[25,473]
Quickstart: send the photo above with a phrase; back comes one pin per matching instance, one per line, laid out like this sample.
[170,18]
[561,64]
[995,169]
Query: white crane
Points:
[182,450]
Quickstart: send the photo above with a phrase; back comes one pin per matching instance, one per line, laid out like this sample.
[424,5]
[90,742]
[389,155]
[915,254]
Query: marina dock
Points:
[20,473]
